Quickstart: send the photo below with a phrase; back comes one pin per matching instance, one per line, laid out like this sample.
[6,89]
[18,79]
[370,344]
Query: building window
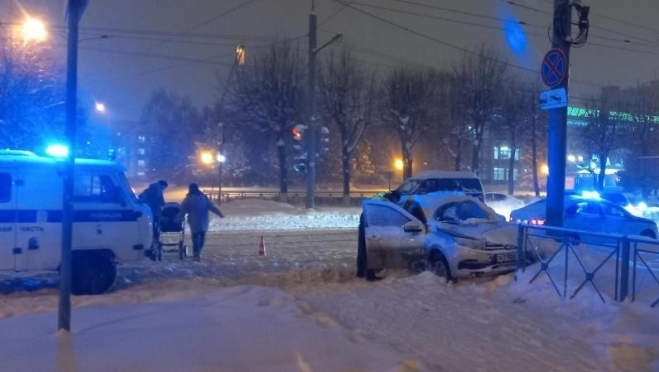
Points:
[499,174]
[142,139]
[504,152]
[141,163]
[141,151]
[140,174]
[517,154]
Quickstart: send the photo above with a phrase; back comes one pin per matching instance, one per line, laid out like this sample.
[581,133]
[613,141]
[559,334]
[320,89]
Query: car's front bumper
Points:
[477,262]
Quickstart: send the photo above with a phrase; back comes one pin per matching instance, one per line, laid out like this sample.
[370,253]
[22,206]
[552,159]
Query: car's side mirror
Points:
[413,227]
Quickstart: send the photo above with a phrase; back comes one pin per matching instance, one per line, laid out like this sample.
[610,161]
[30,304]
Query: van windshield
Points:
[123,181]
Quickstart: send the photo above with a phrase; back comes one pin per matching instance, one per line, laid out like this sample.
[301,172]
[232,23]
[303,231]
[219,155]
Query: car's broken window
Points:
[461,211]
[380,215]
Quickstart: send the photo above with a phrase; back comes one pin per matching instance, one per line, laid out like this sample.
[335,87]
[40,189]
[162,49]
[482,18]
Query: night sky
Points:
[183,45]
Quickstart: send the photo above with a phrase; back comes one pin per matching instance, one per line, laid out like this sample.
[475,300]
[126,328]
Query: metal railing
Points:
[638,255]
[613,248]
[291,195]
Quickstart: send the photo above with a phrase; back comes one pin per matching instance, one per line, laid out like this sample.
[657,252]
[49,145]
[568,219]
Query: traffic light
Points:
[324,140]
[300,160]
[300,164]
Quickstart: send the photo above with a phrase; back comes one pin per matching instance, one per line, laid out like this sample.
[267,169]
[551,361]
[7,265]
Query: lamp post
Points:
[74,13]
[220,160]
[34,30]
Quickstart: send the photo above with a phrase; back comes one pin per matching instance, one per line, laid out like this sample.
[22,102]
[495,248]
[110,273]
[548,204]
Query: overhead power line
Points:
[204,23]
[425,36]
[652,42]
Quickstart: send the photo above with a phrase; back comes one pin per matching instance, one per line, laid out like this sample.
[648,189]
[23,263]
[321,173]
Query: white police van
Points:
[110,225]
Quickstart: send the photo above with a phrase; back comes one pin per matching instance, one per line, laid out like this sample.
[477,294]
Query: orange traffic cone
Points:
[262,247]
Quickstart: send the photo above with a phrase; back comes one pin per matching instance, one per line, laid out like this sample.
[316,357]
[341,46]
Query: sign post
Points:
[555,73]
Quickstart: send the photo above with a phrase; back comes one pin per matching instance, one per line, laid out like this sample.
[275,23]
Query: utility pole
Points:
[239,60]
[561,38]
[311,138]
[311,92]
[74,13]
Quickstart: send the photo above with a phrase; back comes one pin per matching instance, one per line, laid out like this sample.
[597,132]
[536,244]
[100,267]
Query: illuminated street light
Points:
[34,30]
[580,158]
[571,158]
[206,157]
[100,107]
[221,158]
[398,164]
[544,169]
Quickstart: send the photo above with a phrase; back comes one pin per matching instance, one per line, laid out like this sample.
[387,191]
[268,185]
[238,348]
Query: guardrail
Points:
[612,249]
[291,195]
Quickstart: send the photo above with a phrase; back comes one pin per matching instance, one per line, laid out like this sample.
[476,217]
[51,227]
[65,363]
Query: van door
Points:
[104,220]
[38,237]
[388,245]
[7,219]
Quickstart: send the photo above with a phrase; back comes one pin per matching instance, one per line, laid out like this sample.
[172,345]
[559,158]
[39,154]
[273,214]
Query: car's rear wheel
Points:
[361,250]
[649,234]
[439,266]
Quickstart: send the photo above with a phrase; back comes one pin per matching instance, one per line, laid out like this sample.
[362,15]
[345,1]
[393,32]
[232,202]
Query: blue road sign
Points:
[554,67]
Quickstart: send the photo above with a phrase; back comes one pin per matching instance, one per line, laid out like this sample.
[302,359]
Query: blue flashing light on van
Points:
[58,151]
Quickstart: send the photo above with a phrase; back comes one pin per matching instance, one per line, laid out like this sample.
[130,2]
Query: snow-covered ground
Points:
[300,308]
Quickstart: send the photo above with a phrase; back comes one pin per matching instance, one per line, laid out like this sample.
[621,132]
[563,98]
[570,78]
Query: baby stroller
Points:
[171,233]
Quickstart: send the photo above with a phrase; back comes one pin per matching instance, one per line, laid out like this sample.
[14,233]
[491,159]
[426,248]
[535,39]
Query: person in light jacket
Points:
[196,205]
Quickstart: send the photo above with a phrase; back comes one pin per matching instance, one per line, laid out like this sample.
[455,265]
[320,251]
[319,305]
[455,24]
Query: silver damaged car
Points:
[461,237]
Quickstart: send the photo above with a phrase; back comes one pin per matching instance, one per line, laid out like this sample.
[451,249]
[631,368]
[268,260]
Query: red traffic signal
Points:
[297,134]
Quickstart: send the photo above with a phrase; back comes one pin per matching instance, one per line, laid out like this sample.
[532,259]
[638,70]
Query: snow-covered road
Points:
[300,308]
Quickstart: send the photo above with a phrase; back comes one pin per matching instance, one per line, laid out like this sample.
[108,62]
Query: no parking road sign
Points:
[554,67]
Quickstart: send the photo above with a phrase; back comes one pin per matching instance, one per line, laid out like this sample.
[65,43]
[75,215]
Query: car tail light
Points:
[537,221]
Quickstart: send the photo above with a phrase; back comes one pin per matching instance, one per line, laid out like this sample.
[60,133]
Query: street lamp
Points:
[34,30]
[206,158]
[220,158]
[100,107]
[544,169]
[398,164]
[571,158]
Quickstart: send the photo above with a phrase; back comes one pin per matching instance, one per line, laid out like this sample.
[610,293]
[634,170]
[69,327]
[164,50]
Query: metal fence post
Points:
[521,249]
[623,288]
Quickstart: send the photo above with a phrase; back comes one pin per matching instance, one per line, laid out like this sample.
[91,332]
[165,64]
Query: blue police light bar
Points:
[58,151]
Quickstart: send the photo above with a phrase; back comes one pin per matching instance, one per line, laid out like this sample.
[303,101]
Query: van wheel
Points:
[93,273]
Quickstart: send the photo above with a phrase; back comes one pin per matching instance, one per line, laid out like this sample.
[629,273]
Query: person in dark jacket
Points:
[154,198]
[197,205]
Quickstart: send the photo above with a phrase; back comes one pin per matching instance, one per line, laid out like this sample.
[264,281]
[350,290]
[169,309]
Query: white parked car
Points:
[462,237]
[589,214]
[502,204]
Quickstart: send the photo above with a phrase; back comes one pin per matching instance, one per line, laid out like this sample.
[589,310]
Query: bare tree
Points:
[482,73]
[269,94]
[407,101]
[600,136]
[513,121]
[641,135]
[348,97]
[454,129]
[31,95]
[537,138]
[169,120]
